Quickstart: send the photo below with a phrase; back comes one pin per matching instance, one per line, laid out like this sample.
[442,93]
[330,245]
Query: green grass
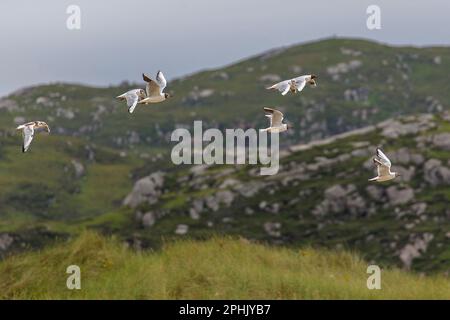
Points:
[220,268]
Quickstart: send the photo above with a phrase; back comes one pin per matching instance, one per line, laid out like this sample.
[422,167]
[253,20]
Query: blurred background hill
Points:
[104,169]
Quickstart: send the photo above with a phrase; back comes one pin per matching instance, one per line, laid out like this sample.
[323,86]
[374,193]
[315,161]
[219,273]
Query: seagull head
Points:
[313,76]
[142,93]
[167,96]
[42,124]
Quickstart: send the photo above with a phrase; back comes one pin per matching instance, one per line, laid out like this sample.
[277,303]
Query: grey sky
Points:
[119,40]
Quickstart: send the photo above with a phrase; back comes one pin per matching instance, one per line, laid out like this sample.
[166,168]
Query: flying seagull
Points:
[276,121]
[28,130]
[384,168]
[294,85]
[155,89]
[132,97]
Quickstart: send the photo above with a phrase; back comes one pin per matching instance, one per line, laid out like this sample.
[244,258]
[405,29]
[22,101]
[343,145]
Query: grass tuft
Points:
[220,268]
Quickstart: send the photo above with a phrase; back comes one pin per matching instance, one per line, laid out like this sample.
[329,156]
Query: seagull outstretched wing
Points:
[282,86]
[132,100]
[28,134]
[161,80]
[275,116]
[153,89]
[384,159]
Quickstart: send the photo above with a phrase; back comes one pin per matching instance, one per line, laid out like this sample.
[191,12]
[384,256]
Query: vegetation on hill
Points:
[79,176]
[220,268]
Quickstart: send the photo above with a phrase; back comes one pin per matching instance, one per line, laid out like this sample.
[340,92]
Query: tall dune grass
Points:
[220,268]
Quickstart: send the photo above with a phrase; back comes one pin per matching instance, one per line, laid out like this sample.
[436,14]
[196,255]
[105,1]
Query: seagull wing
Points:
[276,117]
[300,84]
[282,86]
[161,80]
[28,134]
[152,87]
[301,78]
[382,169]
[132,100]
[384,159]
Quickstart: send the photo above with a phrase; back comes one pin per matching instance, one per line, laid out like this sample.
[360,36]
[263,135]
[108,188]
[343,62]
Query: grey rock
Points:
[78,167]
[357,95]
[375,192]
[273,229]
[338,199]
[146,190]
[9,105]
[415,249]
[405,174]
[182,229]
[436,174]
[398,196]
[270,78]
[148,219]
[5,241]
[442,141]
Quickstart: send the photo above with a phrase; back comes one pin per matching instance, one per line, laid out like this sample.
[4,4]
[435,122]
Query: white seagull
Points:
[276,121]
[155,89]
[294,85]
[384,168]
[132,97]
[28,130]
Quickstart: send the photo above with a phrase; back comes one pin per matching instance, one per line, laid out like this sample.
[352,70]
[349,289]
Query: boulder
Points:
[182,229]
[273,229]
[146,190]
[442,141]
[435,173]
[398,196]
[415,249]
[148,219]
[5,241]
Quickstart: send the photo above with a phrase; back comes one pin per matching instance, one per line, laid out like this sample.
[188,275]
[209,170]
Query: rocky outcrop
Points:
[398,196]
[395,128]
[273,229]
[5,241]
[344,67]
[442,141]
[415,249]
[435,173]
[181,229]
[338,199]
[78,167]
[146,190]
[270,78]
[357,95]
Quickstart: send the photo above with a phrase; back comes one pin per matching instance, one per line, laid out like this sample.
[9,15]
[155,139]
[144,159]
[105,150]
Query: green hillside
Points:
[359,83]
[221,268]
[86,173]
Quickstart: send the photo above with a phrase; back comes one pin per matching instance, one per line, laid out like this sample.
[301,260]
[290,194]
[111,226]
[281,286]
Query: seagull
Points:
[28,132]
[276,121]
[294,85]
[155,89]
[132,97]
[384,168]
